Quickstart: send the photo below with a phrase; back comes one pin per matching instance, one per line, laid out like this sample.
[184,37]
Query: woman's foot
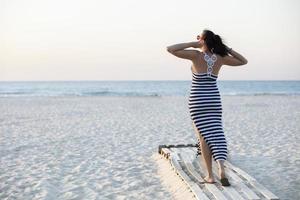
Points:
[208,179]
[225,182]
[223,179]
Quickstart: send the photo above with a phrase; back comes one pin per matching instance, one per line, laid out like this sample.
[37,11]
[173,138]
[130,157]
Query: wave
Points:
[96,93]
[143,88]
[133,94]
[110,93]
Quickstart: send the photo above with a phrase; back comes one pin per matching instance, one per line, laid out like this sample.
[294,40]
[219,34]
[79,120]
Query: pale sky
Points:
[126,40]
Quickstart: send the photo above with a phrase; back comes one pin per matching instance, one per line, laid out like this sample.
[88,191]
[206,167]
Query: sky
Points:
[127,40]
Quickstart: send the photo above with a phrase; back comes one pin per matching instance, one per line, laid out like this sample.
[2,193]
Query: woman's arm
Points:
[179,50]
[235,60]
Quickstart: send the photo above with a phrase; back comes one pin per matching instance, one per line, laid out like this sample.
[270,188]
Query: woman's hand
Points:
[228,49]
[197,44]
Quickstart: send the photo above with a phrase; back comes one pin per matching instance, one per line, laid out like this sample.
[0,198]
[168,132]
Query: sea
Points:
[141,88]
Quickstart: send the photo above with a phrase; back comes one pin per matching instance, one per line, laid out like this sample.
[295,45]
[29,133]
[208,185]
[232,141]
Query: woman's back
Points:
[200,65]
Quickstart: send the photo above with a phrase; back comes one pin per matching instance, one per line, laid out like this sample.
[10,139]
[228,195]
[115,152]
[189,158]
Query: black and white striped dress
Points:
[206,112]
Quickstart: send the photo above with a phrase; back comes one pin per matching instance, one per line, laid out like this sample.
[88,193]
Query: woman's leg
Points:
[223,178]
[221,168]
[206,156]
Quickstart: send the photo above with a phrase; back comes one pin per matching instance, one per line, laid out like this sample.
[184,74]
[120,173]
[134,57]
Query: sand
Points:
[103,147]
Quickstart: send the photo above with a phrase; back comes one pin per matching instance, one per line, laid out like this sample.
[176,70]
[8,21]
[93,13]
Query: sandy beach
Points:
[101,147]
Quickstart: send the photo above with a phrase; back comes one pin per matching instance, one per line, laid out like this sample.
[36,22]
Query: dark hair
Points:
[214,43]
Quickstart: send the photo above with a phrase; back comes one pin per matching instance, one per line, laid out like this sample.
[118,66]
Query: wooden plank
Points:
[250,194]
[252,181]
[229,191]
[210,187]
[193,187]
[199,195]
[171,180]
[180,172]
[241,182]
[166,152]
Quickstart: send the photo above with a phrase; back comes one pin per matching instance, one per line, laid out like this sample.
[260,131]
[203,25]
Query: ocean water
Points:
[142,88]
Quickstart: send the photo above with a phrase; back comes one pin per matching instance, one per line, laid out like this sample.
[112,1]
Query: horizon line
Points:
[78,80]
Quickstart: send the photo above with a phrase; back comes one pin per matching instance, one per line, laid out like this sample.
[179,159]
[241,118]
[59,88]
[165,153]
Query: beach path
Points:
[190,169]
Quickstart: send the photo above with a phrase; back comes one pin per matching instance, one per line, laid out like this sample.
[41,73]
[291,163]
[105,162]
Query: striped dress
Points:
[206,113]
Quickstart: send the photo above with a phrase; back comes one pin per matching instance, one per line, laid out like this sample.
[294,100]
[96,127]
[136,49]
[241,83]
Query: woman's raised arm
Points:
[235,60]
[178,50]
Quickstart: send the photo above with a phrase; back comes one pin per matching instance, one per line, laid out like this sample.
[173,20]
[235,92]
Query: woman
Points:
[204,100]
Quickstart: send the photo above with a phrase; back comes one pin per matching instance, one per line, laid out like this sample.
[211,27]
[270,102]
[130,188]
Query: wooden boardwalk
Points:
[191,170]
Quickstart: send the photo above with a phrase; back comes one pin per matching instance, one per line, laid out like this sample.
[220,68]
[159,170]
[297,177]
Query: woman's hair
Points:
[214,43]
